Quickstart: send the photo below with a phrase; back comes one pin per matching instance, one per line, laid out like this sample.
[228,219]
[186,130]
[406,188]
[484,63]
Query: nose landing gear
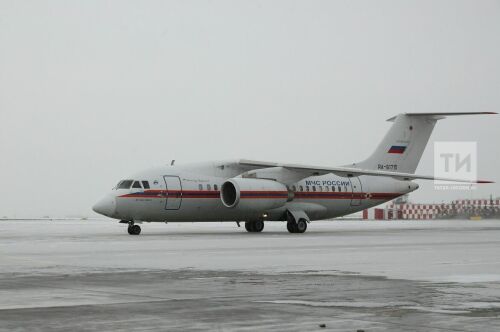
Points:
[134,229]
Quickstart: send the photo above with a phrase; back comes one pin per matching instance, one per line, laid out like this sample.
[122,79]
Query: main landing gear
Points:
[134,229]
[296,227]
[254,226]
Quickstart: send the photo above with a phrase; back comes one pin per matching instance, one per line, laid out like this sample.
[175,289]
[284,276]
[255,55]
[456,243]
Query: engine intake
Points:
[229,195]
[253,194]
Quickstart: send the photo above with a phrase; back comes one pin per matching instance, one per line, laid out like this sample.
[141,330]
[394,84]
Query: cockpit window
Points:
[145,184]
[137,184]
[125,184]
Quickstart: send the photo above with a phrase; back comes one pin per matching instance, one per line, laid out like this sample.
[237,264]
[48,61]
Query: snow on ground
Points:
[455,251]
[373,275]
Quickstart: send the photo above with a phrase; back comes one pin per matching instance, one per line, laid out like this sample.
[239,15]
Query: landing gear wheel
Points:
[301,226]
[254,226]
[134,229]
[291,227]
[258,226]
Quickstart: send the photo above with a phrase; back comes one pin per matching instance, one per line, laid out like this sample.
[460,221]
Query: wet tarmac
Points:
[339,276]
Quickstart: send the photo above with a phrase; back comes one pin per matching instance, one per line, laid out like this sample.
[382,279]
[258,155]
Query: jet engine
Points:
[253,194]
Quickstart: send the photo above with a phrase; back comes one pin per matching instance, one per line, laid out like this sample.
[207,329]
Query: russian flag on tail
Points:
[397,149]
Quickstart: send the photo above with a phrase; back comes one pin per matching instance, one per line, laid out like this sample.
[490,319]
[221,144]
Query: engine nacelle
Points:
[253,194]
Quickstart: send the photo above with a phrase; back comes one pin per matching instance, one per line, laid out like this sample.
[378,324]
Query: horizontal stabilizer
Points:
[442,115]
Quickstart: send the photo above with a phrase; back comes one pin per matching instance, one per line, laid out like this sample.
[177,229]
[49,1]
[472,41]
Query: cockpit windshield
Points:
[125,184]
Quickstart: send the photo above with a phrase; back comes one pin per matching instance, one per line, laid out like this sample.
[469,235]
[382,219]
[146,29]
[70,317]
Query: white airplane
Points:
[255,192]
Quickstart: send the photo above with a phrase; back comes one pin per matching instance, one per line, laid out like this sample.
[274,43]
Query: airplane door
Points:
[174,192]
[357,189]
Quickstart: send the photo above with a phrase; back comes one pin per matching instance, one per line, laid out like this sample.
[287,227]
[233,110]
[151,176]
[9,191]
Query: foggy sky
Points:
[92,91]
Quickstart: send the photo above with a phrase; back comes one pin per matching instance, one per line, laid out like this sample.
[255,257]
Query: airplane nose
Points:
[105,206]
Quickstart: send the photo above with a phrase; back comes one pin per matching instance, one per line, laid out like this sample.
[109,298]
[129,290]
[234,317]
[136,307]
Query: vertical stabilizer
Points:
[404,144]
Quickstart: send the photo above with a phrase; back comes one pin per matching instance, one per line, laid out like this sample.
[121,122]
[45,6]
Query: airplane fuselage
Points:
[193,193]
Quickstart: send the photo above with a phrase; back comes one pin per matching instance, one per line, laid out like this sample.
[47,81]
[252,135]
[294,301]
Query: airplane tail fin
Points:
[404,144]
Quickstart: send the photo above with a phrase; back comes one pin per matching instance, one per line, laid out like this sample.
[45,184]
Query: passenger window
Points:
[208,187]
[145,184]
[200,187]
[327,188]
[320,188]
[125,184]
[340,189]
[333,188]
[307,188]
[137,185]
[314,188]
[301,188]
[215,187]
[294,188]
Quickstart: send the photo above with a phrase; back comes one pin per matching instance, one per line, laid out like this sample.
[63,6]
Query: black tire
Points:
[249,226]
[291,227]
[301,226]
[137,229]
[258,226]
[134,229]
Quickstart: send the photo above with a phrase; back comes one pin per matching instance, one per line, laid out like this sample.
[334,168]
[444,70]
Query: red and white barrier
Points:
[426,211]
[374,214]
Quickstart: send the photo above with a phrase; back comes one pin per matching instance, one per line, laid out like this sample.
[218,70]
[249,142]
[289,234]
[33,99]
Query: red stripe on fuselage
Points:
[260,194]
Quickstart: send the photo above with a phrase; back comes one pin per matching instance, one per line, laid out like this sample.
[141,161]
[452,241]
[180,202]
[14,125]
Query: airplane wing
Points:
[347,171]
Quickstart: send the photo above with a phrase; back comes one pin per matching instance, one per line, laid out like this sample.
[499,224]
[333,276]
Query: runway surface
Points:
[347,275]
